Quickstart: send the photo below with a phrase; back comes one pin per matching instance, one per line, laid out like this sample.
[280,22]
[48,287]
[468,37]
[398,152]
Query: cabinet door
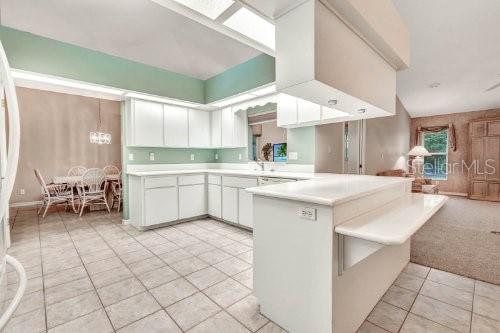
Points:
[227,127]
[214,200]
[286,113]
[307,111]
[199,128]
[216,129]
[230,204]
[161,205]
[245,208]
[147,124]
[492,157]
[176,126]
[192,201]
[240,131]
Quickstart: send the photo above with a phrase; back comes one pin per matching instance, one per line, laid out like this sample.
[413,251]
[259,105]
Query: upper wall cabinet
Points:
[199,129]
[150,124]
[176,126]
[147,120]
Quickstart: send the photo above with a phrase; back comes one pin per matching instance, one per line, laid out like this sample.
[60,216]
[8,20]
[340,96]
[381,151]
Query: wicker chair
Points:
[77,171]
[53,194]
[92,189]
[116,190]
[111,170]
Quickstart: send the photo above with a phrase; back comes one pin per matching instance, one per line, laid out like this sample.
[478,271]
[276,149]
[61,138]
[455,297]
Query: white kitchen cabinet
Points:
[146,124]
[227,123]
[215,200]
[307,111]
[161,205]
[192,201]
[230,204]
[216,128]
[240,130]
[175,126]
[199,128]
[245,208]
[286,112]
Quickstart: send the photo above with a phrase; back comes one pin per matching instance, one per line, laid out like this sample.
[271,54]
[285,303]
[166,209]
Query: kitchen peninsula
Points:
[327,249]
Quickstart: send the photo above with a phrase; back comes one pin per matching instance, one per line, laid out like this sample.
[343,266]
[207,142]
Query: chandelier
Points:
[99,137]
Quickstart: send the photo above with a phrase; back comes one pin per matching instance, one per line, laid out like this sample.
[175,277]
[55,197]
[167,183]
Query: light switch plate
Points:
[239,157]
[151,156]
[293,155]
[192,157]
[130,157]
[216,156]
[307,213]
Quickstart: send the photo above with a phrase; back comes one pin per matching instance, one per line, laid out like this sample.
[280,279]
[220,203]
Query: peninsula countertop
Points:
[331,190]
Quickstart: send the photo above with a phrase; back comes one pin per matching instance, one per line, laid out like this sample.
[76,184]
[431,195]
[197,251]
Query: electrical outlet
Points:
[293,155]
[130,157]
[307,213]
[192,157]
[22,191]
[151,156]
[216,156]
[239,157]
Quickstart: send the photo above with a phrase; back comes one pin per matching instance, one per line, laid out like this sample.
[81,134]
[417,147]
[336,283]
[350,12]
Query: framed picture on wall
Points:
[279,152]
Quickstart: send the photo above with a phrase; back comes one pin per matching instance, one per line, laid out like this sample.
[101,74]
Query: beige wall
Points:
[457,182]
[55,136]
[271,133]
[387,141]
[329,148]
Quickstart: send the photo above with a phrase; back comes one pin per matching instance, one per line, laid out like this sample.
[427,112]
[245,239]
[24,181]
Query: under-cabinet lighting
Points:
[234,100]
[252,26]
[161,99]
[210,8]
[36,77]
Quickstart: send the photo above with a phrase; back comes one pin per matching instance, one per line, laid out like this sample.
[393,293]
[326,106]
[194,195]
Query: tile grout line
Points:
[472,308]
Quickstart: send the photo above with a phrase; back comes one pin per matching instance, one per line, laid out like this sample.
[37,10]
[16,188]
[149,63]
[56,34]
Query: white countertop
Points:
[233,172]
[330,190]
[395,222]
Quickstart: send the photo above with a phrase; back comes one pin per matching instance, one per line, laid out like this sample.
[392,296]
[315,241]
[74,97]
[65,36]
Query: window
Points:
[437,144]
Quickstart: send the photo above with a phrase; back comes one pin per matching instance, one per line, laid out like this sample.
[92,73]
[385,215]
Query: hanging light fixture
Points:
[99,137]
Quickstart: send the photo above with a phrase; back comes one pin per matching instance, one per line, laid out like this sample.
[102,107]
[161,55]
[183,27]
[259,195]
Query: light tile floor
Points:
[92,274]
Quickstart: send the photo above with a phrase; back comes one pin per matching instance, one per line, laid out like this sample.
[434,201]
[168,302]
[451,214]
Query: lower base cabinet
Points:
[160,205]
[245,208]
[230,204]
[192,201]
[215,200]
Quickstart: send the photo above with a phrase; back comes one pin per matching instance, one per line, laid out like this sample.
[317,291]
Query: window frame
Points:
[422,138]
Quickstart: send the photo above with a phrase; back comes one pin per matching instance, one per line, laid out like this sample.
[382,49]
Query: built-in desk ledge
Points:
[395,222]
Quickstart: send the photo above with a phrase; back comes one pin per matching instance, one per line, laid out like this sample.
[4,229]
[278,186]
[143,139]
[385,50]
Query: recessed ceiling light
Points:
[37,77]
[434,85]
[161,99]
[362,110]
[210,8]
[252,26]
[332,102]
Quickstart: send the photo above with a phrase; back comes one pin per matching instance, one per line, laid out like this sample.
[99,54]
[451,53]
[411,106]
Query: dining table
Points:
[74,180]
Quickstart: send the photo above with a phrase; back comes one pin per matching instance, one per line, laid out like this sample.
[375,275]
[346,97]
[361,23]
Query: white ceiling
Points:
[457,44]
[138,30]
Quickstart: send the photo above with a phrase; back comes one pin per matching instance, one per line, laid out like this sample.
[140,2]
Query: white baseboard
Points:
[125,222]
[25,204]
[456,194]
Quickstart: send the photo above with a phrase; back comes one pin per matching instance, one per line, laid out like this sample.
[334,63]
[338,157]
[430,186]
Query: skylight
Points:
[210,8]
[252,26]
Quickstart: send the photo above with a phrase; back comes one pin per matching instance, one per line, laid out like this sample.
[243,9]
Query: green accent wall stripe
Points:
[48,56]
[251,74]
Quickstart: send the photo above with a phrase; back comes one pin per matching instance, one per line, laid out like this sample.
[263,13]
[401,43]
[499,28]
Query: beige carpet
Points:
[458,239]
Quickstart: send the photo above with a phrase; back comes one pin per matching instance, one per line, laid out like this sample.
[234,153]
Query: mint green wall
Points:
[43,55]
[253,73]
[231,155]
[303,141]
[170,155]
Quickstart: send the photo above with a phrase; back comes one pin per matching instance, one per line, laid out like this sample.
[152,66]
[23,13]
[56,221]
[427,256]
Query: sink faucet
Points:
[260,164]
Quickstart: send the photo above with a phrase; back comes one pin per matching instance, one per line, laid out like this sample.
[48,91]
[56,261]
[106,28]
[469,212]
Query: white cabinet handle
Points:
[20,291]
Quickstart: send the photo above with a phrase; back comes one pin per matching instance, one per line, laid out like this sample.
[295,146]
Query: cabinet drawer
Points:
[192,179]
[152,182]
[215,180]
[239,182]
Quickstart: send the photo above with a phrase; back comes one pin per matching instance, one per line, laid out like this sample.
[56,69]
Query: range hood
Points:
[323,58]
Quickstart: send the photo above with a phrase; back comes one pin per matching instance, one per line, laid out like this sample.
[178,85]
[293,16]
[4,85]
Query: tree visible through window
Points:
[437,144]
